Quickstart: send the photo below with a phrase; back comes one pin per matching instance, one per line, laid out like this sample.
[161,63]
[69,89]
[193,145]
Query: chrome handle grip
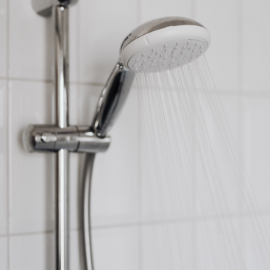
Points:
[112,99]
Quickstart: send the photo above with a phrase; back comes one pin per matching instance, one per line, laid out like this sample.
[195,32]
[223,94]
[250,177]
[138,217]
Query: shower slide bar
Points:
[61,138]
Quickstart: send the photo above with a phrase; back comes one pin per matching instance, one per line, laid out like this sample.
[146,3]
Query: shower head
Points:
[157,45]
[164,43]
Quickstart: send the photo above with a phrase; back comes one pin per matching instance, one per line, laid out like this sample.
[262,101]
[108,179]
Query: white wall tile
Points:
[3,253]
[165,157]
[3,40]
[221,19]
[73,43]
[96,32]
[31,186]
[255,42]
[217,153]
[30,43]
[256,147]
[115,190]
[33,59]
[73,104]
[75,251]
[219,245]
[153,9]
[3,157]
[168,246]
[103,26]
[116,248]
[32,252]
[257,242]
[87,99]
[75,162]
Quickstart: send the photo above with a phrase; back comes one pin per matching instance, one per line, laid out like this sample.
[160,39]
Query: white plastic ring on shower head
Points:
[166,48]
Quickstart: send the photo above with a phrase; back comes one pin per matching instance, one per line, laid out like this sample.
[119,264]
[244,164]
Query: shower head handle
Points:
[112,99]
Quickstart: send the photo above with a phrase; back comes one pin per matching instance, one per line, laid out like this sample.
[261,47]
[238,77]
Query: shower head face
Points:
[163,44]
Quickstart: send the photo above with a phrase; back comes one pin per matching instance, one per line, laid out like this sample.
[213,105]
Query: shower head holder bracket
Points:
[51,138]
[44,7]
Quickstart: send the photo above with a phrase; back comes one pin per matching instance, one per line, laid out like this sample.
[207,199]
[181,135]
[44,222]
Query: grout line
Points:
[8,137]
[30,233]
[220,91]
[194,141]
[139,12]
[158,222]
[27,80]
[92,84]
[78,42]
[194,236]
[139,168]
[193,9]
[241,135]
[50,81]
[188,219]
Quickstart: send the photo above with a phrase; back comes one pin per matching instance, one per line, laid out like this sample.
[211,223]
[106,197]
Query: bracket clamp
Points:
[44,7]
[40,138]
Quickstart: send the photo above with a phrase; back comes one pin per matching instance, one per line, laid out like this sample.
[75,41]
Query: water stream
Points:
[195,189]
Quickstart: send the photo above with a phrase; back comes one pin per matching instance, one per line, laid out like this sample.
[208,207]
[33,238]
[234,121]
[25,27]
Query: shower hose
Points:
[85,208]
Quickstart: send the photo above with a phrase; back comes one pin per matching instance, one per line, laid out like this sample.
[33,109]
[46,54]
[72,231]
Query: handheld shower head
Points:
[164,43]
[156,45]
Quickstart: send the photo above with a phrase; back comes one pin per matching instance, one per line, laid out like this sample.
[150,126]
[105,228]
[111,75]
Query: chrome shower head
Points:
[157,45]
[164,43]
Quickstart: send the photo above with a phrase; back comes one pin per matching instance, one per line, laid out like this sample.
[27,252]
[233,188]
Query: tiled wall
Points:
[239,58]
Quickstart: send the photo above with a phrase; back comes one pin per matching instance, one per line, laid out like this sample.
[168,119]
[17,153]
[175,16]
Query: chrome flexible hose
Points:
[85,208]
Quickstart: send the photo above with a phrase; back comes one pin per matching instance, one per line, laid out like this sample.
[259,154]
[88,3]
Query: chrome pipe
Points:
[61,80]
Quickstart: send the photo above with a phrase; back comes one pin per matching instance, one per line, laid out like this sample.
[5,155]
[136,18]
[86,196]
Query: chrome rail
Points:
[61,80]
[62,138]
